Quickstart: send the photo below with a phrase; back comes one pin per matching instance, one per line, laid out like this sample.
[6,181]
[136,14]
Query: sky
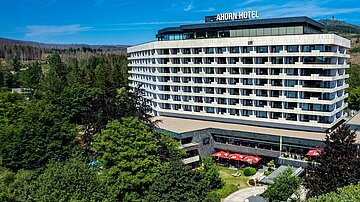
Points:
[130,22]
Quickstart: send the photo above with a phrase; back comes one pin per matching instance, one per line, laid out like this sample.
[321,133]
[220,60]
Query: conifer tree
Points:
[338,164]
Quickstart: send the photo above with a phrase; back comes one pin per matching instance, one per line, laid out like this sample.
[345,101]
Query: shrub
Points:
[212,197]
[267,172]
[271,165]
[248,171]
[226,190]
[252,182]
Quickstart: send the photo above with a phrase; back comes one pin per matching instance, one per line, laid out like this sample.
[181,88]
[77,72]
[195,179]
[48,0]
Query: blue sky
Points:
[131,22]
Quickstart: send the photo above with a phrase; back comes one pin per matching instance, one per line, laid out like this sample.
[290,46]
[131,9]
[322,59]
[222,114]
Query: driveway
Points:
[242,194]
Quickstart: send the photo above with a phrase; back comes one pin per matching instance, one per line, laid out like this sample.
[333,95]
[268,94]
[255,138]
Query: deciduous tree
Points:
[285,184]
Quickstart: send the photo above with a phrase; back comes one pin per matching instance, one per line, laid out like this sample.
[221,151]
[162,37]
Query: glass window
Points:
[212,34]
[260,32]
[298,30]
[239,32]
[291,83]
[209,50]
[267,31]
[275,31]
[246,32]
[290,30]
[292,48]
[225,33]
[262,49]
[234,49]
[233,33]
[282,30]
[191,35]
[252,32]
[200,35]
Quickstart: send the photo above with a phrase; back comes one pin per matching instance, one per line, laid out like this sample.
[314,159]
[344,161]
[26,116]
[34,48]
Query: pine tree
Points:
[338,164]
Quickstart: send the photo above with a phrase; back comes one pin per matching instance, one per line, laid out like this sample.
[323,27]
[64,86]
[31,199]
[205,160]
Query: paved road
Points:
[242,194]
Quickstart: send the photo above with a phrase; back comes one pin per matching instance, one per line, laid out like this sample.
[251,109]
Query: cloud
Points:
[247,2]
[189,7]
[312,8]
[159,23]
[40,30]
[210,9]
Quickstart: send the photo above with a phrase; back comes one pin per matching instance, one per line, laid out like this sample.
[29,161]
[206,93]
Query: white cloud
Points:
[247,2]
[189,7]
[159,23]
[211,9]
[312,8]
[40,30]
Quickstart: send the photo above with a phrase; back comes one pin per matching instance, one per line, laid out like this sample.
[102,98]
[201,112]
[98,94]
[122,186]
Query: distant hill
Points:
[107,48]
[29,50]
[340,27]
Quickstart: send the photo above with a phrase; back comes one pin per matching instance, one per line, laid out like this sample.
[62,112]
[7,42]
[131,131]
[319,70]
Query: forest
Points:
[82,135]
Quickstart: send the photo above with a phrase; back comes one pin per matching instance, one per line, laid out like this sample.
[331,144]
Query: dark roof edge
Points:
[235,23]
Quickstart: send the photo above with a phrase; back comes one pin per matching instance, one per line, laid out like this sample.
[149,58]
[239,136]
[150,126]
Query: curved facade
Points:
[289,81]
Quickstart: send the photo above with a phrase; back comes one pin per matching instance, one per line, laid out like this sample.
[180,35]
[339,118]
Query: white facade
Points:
[284,81]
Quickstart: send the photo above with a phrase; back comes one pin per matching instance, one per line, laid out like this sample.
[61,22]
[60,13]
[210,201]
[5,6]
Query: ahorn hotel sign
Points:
[243,15]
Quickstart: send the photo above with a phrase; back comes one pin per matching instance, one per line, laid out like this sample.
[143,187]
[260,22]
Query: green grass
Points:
[231,182]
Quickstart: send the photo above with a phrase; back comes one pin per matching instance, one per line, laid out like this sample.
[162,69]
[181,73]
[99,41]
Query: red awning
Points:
[236,157]
[221,154]
[314,152]
[252,159]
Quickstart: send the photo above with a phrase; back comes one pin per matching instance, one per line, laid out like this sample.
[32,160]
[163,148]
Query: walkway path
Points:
[242,194]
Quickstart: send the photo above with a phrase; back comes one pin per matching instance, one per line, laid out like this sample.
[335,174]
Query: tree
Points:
[69,181]
[14,186]
[338,165]
[354,76]
[211,173]
[285,184]
[128,151]
[344,194]
[12,106]
[177,182]
[30,77]
[354,98]
[38,134]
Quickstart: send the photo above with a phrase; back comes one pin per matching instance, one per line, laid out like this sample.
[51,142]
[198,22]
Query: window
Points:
[225,33]
[292,48]
[262,49]
[234,49]
[200,35]
[209,50]
[212,34]
[261,114]
[276,49]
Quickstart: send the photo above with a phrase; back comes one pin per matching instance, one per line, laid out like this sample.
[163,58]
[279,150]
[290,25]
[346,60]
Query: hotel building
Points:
[280,77]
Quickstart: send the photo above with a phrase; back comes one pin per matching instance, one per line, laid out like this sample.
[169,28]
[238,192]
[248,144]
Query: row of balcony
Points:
[252,115]
[243,49]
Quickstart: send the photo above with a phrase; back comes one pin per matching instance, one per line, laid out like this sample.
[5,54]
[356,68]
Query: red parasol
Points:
[236,157]
[314,152]
[252,159]
[221,154]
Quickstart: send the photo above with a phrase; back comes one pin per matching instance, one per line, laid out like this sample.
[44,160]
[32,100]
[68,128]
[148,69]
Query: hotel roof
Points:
[182,125]
[258,23]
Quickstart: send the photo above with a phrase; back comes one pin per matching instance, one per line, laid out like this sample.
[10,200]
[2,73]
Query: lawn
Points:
[231,182]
